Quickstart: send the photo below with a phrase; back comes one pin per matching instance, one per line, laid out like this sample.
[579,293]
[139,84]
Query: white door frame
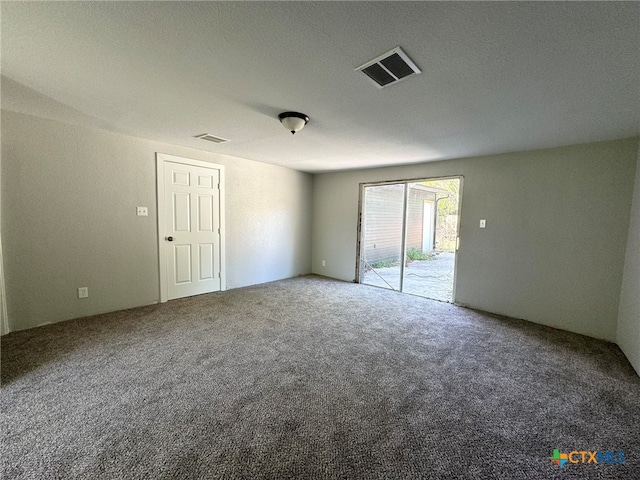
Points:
[161,158]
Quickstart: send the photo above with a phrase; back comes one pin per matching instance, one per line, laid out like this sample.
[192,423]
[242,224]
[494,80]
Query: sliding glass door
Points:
[383,227]
[408,236]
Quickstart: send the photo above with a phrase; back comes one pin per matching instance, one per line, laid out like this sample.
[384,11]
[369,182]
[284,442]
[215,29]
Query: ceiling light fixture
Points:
[293,121]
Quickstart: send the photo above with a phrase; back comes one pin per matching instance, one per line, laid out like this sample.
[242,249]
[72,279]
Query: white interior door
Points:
[427,227]
[192,229]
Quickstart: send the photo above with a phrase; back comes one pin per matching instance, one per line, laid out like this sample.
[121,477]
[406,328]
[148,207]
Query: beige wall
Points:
[553,249]
[629,314]
[69,195]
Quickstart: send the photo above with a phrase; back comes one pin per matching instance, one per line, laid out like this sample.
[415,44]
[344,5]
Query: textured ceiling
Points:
[497,76]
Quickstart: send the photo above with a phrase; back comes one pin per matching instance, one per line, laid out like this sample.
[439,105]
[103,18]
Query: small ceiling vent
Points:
[389,68]
[211,138]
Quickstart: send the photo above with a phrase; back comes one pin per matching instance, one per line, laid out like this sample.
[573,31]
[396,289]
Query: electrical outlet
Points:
[324,264]
[83,292]
[142,211]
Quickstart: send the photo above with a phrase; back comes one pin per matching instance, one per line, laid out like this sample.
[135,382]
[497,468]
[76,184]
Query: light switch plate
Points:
[483,223]
[142,211]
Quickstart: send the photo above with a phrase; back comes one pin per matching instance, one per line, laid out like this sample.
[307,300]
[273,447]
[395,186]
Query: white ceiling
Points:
[497,77]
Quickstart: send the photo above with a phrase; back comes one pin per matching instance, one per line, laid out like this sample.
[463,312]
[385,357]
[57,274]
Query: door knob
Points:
[169,239]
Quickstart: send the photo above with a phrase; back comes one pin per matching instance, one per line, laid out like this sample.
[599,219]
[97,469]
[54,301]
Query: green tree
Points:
[447,214]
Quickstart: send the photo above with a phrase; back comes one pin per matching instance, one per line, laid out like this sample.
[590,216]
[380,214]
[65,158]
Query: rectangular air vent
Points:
[389,68]
[211,138]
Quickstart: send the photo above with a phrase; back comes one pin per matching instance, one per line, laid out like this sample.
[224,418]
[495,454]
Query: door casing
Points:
[161,158]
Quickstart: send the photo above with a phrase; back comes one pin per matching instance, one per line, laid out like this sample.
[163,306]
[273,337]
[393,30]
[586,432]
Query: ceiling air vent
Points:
[389,68]
[211,138]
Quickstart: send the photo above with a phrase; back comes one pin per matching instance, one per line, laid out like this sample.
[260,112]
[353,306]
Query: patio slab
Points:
[427,278]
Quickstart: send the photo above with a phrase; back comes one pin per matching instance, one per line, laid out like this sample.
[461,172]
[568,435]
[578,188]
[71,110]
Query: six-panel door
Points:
[192,206]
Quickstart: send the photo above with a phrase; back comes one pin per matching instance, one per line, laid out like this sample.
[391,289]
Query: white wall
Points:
[553,249]
[69,195]
[629,313]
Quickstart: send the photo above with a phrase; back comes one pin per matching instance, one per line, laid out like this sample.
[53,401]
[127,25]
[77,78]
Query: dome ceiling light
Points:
[293,121]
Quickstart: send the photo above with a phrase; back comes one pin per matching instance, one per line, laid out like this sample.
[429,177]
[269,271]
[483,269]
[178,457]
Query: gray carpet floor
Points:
[312,378]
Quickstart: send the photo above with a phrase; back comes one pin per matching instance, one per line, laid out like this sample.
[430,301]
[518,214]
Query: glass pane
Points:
[382,223]
[432,221]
